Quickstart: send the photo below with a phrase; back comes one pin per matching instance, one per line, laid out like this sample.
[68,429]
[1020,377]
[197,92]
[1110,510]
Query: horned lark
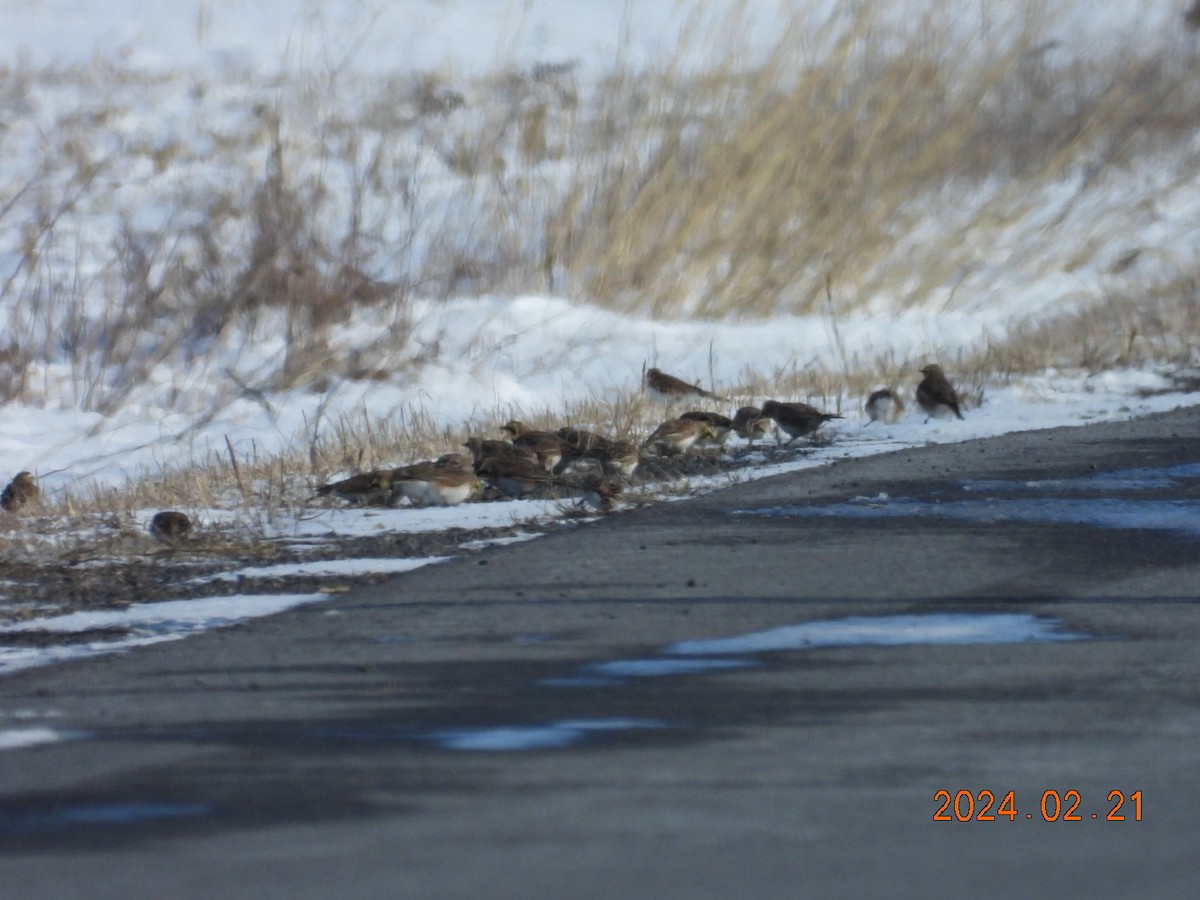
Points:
[885,406]
[515,477]
[620,458]
[435,483]
[483,448]
[582,443]
[365,487]
[170,526]
[20,492]
[455,461]
[750,423]
[599,491]
[720,425]
[547,446]
[668,387]
[936,396]
[797,419]
[578,443]
[676,436]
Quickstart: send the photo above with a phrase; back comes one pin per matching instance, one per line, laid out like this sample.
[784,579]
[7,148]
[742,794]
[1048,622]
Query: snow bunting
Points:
[936,396]
[668,387]
[797,419]
[21,491]
[884,406]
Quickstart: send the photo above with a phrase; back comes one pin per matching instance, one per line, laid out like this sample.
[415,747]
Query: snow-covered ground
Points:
[504,355]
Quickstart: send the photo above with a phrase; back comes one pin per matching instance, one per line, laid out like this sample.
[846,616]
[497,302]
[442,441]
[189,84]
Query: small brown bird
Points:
[620,458]
[546,445]
[676,436]
[170,526]
[578,443]
[20,492]
[720,425]
[483,448]
[668,387]
[515,477]
[365,487]
[599,491]
[936,396]
[582,443]
[797,419]
[750,423]
[446,482]
[885,406]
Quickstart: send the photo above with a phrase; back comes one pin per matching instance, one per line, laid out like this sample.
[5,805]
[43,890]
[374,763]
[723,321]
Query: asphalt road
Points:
[342,749]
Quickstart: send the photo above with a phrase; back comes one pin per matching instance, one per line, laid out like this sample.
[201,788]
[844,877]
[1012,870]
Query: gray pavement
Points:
[308,754]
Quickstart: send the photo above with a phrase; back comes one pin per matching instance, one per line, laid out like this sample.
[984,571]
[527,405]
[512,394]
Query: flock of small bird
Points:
[590,466]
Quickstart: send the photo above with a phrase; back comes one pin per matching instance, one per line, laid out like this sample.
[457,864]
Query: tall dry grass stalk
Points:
[746,190]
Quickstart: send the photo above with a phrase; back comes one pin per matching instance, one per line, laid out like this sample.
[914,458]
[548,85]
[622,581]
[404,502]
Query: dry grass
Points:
[753,189]
[739,190]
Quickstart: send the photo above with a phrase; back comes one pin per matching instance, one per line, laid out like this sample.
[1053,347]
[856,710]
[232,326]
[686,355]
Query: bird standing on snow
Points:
[668,387]
[676,436]
[447,481]
[21,491]
[884,406]
[599,491]
[797,419]
[514,477]
[720,425]
[750,423]
[936,396]
[365,487]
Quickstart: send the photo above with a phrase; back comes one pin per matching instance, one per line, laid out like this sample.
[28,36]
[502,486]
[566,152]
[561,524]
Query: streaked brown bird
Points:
[668,387]
[719,424]
[676,436]
[20,493]
[579,443]
[583,443]
[514,477]
[884,405]
[796,419]
[620,458]
[170,526]
[365,487]
[545,444]
[445,482]
[483,448]
[750,423]
[936,395]
[599,491]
